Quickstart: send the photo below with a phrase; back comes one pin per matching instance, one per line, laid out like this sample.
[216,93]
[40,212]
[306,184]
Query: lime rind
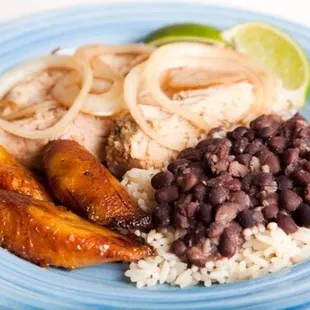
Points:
[185,32]
[276,42]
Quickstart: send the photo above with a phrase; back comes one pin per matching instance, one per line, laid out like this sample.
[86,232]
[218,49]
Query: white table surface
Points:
[295,10]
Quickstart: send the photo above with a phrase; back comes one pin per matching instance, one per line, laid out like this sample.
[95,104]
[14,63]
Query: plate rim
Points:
[12,27]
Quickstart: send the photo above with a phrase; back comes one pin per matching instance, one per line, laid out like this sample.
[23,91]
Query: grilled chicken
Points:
[17,178]
[48,235]
[129,147]
[85,186]
[90,131]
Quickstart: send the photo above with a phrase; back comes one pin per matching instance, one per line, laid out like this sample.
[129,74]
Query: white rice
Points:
[264,250]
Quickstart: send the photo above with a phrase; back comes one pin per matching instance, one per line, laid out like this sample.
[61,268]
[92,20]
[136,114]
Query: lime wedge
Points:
[278,51]
[185,32]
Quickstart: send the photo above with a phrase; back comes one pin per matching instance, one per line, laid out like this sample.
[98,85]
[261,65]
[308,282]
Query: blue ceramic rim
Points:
[231,295]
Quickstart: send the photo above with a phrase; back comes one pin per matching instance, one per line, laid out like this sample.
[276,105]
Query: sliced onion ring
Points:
[13,76]
[105,104]
[131,90]
[88,52]
[178,55]
[30,110]
[109,102]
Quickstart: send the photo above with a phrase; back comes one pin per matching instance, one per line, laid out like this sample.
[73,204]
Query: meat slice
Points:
[90,131]
[129,147]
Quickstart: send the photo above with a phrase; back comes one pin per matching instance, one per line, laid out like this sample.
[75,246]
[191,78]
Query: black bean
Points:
[269,159]
[250,218]
[208,142]
[178,247]
[270,211]
[306,166]
[290,156]
[254,202]
[203,143]
[302,145]
[239,132]
[277,144]
[199,192]
[199,235]
[162,179]
[222,150]
[205,213]
[196,257]
[226,212]
[248,181]
[302,177]
[302,215]
[263,179]
[187,181]
[284,182]
[237,170]
[304,132]
[178,164]
[289,200]
[167,194]
[180,219]
[184,199]
[198,168]
[307,155]
[307,194]
[244,159]
[241,199]
[228,244]
[189,239]
[240,145]
[267,132]
[263,121]
[299,117]
[286,223]
[218,195]
[162,215]
[216,165]
[215,230]
[234,228]
[221,180]
[269,198]
[254,147]
[190,154]
[242,132]
[233,185]
[191,209]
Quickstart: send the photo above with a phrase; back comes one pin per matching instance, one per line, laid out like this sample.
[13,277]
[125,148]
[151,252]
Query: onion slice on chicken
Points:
[209,58]
[107,103]
[218,65]
[13,76]
[110,100]
[131,90]
[107,52]
[30,110]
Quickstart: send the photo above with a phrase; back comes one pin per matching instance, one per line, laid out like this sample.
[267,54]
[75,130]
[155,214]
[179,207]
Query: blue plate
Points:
[26,286]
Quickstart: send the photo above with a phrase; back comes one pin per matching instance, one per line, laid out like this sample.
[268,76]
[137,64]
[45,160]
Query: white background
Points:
[296,10]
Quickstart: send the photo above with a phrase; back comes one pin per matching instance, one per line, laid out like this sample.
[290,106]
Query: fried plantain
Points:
[86,187]
[48,235]
[17,178]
